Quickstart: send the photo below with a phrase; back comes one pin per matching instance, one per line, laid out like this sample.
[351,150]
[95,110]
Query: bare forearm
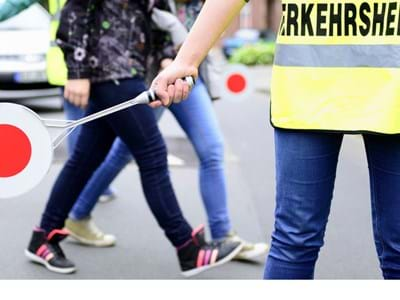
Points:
[214,18]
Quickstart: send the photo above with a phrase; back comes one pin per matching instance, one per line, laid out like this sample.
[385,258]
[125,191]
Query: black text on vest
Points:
[340,19]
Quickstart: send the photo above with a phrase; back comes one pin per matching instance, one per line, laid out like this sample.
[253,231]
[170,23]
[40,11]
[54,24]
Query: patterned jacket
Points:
[111,39]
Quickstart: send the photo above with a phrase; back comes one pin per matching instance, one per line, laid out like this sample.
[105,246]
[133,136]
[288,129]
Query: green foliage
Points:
[261,53]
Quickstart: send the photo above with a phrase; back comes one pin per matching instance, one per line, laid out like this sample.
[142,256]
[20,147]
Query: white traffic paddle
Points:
[27,142]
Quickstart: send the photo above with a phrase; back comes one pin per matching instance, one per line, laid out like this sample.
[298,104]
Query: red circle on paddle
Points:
[236,83]
[15,150]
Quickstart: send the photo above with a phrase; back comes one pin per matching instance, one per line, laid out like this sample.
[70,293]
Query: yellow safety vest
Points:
[56,68]
[337,66]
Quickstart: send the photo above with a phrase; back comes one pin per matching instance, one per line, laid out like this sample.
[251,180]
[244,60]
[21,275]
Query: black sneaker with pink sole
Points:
[44,249]
[196,255]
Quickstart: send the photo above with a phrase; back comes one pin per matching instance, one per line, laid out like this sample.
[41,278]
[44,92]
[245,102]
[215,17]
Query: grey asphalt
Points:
[142,252]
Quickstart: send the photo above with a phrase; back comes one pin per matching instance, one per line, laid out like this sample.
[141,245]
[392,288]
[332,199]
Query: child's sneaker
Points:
[87,233]
[250,251]
[108,195]
[45,250]
[196,256]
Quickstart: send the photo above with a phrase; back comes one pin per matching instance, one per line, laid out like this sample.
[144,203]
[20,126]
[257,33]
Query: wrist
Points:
[165,62]
[185,63]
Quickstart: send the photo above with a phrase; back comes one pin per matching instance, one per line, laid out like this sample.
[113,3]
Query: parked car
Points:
[244,37]
[24,40]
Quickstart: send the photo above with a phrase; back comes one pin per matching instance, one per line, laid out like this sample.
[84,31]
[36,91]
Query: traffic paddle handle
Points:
[67,126]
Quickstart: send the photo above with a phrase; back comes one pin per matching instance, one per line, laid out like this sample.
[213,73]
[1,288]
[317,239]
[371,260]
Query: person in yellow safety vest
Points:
[336,71]
[56,69]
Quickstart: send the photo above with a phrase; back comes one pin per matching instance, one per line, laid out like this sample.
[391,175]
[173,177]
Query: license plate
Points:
[28,77]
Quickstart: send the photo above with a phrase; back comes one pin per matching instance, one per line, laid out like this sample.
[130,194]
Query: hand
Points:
[169,86]
[77,92]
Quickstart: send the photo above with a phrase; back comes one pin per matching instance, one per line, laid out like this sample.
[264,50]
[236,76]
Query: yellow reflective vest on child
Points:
[56,68]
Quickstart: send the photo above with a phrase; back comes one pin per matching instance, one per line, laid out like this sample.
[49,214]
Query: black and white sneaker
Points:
[196,256]
[45,250]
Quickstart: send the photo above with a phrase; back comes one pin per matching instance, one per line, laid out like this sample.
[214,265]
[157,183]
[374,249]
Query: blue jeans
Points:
[73,112]
[197,118]
[305,175]
[137,127]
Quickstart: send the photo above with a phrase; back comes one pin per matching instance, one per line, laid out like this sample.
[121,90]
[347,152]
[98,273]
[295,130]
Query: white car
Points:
[24,40]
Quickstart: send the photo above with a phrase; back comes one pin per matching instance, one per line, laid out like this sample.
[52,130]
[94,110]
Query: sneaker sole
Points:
[106,199]
[251,254]
[86,242]
[39,260]
[226,259]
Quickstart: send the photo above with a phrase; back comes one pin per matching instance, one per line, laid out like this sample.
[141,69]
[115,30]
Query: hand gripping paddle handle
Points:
[189,80]
[68,126]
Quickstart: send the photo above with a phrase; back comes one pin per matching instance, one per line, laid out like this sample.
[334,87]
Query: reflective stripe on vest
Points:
[337,66]
[56,68]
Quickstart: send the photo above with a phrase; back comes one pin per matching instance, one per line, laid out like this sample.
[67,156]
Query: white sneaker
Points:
[250,251]
[86,232]
[108,196]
